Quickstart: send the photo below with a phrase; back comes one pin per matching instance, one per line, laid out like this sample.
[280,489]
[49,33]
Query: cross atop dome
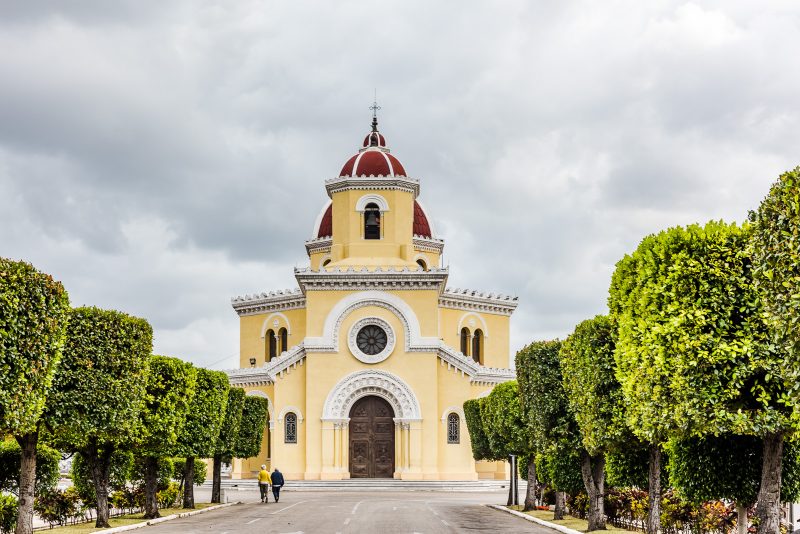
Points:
[374,138]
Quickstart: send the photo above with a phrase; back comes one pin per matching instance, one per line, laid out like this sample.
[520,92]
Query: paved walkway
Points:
[355,512]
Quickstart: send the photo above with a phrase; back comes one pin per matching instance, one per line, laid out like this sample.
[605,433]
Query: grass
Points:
[123,520]
[574,523]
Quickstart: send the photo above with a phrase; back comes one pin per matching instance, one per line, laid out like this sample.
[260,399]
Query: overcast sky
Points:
[161,157]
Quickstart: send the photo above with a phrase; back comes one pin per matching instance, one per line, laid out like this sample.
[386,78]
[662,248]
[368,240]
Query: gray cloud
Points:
[160,158]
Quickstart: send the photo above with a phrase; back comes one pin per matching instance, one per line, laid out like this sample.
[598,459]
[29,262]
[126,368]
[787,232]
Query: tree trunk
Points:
[593,473]
[27,482]
[741,518]
[99,461]
[188,482]
[217,482]
[561,506]
[769,494]
[654,497]
[530,494]
[150,487]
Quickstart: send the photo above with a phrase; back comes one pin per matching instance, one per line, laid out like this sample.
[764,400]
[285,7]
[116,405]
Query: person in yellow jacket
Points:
[264,481]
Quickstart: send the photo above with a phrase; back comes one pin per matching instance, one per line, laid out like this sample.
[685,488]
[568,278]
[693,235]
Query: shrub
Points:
[120,473]
[46,467]
[200,470]
[57,507]
[167,496]
[8,513]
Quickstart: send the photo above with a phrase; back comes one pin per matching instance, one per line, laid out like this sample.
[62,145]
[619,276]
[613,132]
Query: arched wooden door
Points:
[371,439]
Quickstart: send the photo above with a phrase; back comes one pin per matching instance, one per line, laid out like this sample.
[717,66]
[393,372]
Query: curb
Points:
[165,518]
[532,519]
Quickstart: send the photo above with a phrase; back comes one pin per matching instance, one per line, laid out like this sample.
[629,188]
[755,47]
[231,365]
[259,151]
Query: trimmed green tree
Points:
[477,437]
[226,441]
[251,428]
[595,399]
[553,430]
[202,427]
[693,353]
[33,317]
[728,467]
[99,390]
[169,391]
[501,414]
[775,250]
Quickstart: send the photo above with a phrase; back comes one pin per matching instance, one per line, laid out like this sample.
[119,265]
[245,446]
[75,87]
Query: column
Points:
[337,446]
[398,448]
[346,448]
[327,451]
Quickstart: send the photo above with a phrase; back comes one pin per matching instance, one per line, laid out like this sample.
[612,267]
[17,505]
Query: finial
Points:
[375,107]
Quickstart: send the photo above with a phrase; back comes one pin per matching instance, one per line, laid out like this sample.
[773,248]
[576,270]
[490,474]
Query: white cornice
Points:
[348,183]
[287,299]
[466,299]
[318,245]
[351,279]
[265,375]
[428,244]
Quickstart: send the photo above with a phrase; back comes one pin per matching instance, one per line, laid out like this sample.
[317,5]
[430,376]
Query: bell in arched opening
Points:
[372,221]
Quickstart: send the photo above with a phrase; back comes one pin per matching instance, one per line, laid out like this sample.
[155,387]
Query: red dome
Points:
[372,162]
[420,227]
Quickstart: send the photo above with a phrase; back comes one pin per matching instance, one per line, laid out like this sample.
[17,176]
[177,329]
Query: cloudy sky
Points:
[161,157]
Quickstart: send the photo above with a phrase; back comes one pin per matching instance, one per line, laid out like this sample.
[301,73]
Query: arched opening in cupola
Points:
[372,221]
[477,347]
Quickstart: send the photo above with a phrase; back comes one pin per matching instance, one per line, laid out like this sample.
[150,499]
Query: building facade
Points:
[367,363]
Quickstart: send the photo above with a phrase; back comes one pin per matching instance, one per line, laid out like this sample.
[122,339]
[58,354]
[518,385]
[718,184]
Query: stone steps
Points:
[376,484]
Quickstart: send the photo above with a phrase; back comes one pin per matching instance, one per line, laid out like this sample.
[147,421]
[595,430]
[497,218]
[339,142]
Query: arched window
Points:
[372,221]
[465,341]
[453,428]
[272,349]
[421,263]
[326,262]
[477,346]
[290,428]
[284,339]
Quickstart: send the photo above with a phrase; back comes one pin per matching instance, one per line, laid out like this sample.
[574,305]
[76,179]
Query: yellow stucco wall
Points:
[253,344]
[495,328]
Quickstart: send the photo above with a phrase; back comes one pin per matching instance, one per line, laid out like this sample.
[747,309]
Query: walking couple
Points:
[265,480]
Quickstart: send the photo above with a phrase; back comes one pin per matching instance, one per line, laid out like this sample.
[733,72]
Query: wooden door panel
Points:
[371,439]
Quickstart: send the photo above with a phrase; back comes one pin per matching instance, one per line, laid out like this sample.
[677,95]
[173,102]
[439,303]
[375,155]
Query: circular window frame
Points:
[352,340]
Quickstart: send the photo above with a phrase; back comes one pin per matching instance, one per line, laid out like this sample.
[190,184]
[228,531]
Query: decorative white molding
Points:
[380,383]
[427,244]
[329,341]
[381,183]
[389,278]
[318,245]
[352,341]
[453,409]
[485,393]
[293,409]
[287,299]
[361,203]
[483,328]
[467,299]
[269,324]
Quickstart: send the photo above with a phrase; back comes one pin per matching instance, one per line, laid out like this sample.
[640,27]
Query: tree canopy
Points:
[502,421]
[477,437]
[205,415]
[251,429]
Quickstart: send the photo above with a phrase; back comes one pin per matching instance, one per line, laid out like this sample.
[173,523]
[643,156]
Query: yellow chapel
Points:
[367,363]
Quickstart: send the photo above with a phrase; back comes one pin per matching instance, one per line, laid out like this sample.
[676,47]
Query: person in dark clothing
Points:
[277,484]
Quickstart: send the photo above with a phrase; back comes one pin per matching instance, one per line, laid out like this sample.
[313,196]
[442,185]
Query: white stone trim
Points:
[266,326]
[359,279]
[373,382]
[483,327]
[485,394]
[316,246]
[293,409]
[453,409]
[371,358]
[361,203]
[318,220]
[287,299]
[329,341]
[471,300]
[381,183]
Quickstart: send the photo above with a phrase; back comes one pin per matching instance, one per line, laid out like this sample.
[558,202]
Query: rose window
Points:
[371,339]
